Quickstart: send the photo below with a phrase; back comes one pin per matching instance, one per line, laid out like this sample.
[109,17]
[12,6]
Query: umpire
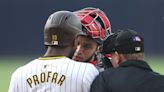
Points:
[130,73]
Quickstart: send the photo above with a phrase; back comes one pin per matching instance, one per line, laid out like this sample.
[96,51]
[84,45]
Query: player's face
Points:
[85,48]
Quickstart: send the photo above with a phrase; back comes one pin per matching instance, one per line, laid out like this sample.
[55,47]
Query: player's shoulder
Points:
[21,68]
[84,63]
[89,67]
[17,72]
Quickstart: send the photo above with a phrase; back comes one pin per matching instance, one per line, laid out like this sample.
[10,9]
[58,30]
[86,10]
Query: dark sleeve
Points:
[98,84]
[158,84]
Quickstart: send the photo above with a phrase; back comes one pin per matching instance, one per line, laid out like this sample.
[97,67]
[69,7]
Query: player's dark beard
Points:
[90,58]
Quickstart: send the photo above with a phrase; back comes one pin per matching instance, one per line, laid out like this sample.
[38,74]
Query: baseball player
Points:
[55,72]
[96,27]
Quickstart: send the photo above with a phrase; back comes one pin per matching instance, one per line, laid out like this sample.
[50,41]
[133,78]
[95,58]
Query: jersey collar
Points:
[51,57]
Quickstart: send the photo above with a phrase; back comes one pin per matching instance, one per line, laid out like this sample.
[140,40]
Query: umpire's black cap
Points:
[125,42]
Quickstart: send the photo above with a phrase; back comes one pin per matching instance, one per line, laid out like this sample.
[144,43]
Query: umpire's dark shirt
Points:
[130,76]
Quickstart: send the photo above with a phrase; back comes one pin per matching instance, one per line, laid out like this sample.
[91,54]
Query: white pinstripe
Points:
[78,76]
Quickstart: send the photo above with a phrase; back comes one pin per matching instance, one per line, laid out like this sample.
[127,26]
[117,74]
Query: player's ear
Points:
[115,59]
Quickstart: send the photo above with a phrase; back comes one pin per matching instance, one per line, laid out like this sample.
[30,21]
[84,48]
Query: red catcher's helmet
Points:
[94,23]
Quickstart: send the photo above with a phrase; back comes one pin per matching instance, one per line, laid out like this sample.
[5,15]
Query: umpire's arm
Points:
[98,84]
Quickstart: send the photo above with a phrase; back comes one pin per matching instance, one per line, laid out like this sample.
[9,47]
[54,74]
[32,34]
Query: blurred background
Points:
[22,23]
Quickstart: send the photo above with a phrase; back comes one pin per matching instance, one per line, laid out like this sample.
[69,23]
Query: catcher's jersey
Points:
[53,74]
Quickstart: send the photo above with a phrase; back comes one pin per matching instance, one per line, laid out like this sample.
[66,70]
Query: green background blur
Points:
[8,65]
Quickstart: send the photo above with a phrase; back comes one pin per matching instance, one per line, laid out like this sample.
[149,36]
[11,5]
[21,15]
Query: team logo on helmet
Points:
[54,40]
